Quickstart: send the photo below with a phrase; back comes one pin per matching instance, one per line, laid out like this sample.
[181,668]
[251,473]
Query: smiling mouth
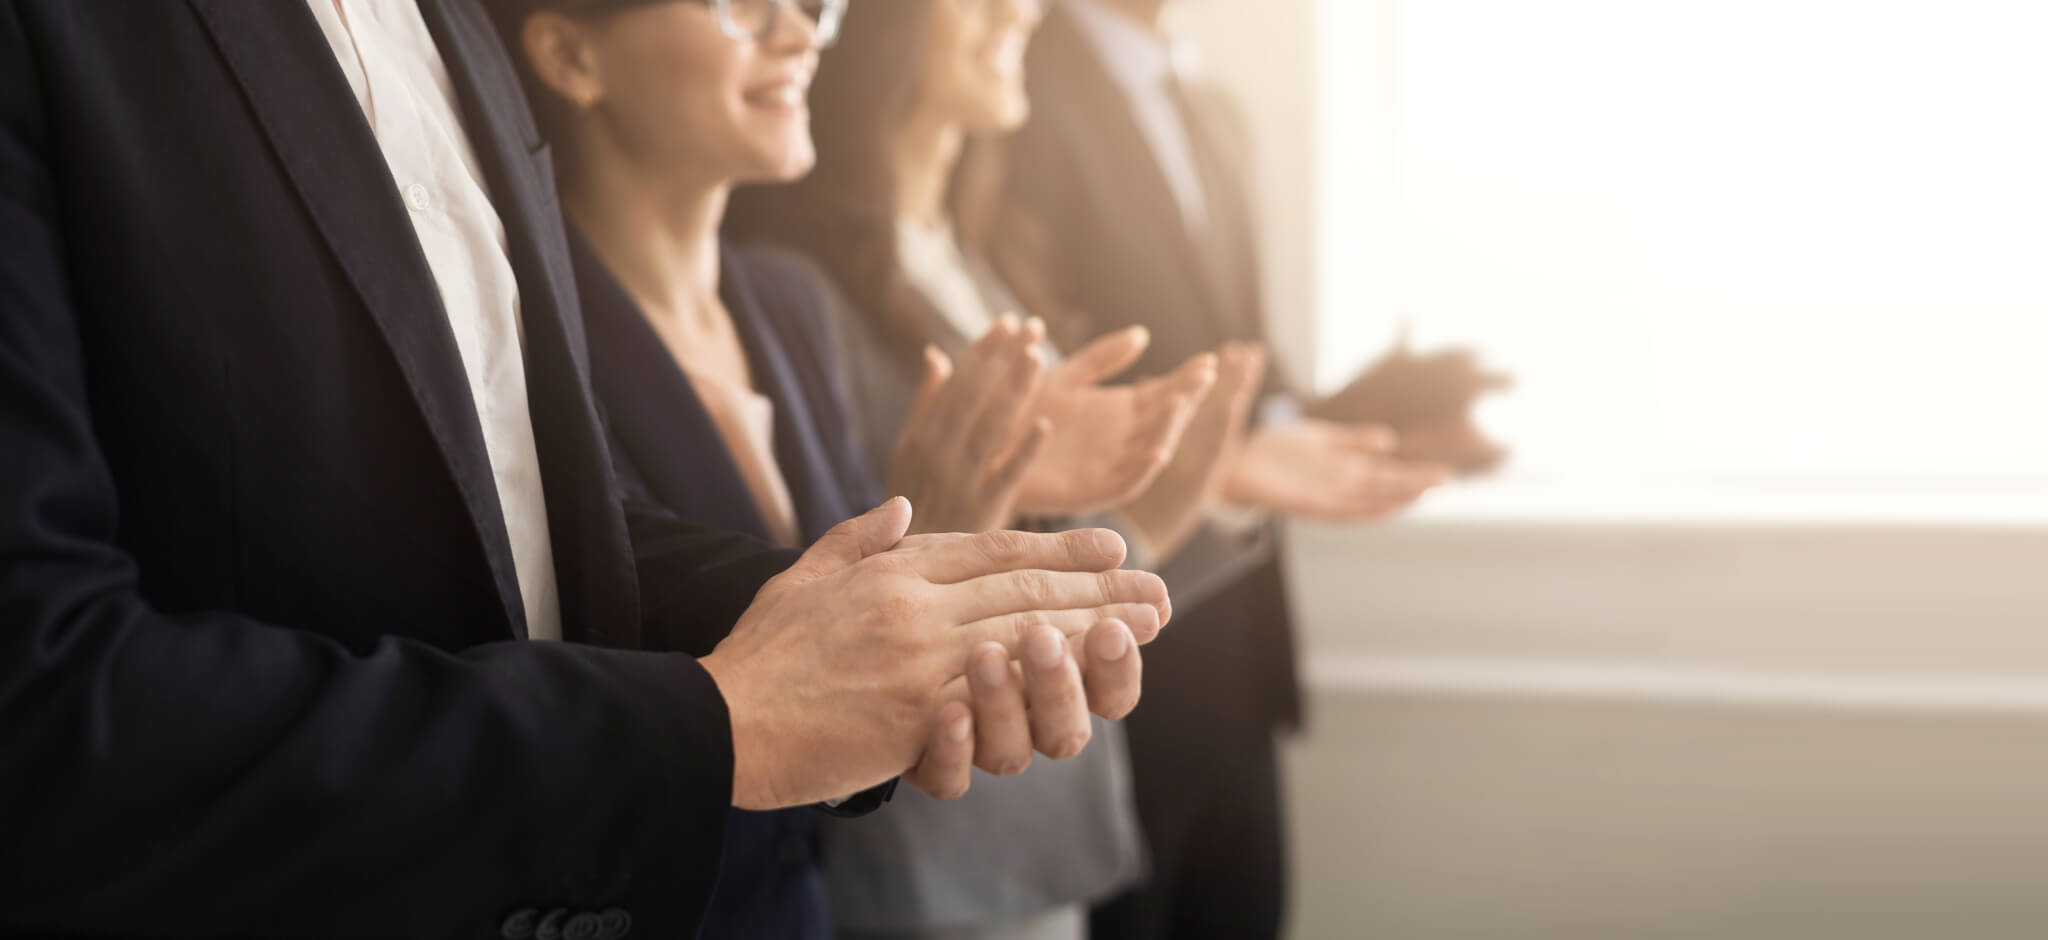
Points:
[1005,57]
[787,95]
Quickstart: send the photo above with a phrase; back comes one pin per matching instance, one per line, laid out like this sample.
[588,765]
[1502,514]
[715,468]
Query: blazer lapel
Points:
[593,553]
[325,147]
[1136,182]
[801,454]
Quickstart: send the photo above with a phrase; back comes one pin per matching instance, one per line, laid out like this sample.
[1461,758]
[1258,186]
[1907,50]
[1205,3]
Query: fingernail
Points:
[992,670]
[1108,543]
[1045,649]
[1112,645]
[958,729]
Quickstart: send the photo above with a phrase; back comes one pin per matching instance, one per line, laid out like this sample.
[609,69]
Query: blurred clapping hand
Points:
[1316,469]
[971,436]
[1109,442]
[1427,399]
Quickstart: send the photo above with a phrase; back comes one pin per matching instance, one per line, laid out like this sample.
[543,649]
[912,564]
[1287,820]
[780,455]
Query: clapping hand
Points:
[1427,398]
[1169,509]
[1107,443]
[1323,470]
[970,436]
[847,669]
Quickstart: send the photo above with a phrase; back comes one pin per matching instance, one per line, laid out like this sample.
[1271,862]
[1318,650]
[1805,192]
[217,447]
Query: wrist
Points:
[751,781]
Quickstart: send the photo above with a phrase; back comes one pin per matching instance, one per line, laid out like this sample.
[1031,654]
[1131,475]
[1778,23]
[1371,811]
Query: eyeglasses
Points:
[743,20]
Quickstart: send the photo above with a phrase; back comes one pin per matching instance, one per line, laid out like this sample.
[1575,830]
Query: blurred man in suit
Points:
[1140,178]
[300,453]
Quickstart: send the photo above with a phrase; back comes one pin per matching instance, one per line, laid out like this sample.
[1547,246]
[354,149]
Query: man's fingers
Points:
[1002,744]
[1015,592]
[1143,621]
[1104,358]
[964,559]
[1112,669]
[1059,702]
[848,542]
[948,763]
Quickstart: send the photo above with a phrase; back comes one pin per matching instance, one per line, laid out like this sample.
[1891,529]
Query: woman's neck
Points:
[658,237]
[923,156]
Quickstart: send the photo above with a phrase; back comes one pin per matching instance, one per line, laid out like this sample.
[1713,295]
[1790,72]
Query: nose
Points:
[794,30]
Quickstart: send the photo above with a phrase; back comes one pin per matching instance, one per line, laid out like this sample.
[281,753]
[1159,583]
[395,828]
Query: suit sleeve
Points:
[204,774]
[693,579]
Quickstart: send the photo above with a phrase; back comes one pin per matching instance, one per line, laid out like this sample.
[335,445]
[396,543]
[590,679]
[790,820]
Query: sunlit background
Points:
[1794,237]
[1751,638]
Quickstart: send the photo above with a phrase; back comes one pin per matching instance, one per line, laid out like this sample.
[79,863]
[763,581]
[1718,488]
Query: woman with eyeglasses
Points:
[714,365]
[902,212]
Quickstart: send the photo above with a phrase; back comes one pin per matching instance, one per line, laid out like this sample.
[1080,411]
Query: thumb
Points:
[1105,357]
[867,534]
[1247,379]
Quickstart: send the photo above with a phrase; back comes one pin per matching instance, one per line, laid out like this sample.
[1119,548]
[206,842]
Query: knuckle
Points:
[1036,587]
[1002,545]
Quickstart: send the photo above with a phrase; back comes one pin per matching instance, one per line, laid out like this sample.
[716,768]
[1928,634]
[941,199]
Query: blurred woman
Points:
[901,214]
[712,364]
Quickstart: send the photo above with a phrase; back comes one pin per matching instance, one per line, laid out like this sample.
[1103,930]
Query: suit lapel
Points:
[593,554]
[324,145]
[1227,241]
[1135,182]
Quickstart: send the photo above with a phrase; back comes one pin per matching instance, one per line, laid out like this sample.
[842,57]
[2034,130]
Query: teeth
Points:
[1009,56]
[788,95]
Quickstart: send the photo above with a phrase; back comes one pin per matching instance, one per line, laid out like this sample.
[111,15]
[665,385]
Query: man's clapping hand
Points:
[852,666]
[1323,470]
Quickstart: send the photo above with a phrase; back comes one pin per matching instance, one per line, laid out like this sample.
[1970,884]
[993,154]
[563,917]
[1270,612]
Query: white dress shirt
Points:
[399,79]
[933,263]
[1143,65]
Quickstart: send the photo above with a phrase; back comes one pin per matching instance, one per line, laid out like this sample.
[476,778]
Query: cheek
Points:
[671,95]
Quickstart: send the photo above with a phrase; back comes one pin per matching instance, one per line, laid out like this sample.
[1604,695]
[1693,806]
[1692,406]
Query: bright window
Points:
[1794,239]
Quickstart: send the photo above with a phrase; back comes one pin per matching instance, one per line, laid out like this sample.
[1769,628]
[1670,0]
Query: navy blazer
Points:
[665,439]
[260,661]
[769,884]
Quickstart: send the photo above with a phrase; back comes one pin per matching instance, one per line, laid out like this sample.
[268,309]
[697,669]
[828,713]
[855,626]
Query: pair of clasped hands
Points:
[944,642]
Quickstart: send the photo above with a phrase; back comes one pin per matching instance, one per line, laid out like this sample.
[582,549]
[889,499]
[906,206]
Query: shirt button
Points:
[417,197]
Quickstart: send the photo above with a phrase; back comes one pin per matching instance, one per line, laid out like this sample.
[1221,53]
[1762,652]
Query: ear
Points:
[564,58]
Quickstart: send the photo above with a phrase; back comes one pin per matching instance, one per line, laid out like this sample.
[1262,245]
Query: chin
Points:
[1002,120]
[783,165]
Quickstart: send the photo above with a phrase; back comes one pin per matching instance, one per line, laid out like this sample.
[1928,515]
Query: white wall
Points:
[1685,730]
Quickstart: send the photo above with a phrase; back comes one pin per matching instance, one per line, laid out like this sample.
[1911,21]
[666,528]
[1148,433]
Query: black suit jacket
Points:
[1120,253]
[258,674]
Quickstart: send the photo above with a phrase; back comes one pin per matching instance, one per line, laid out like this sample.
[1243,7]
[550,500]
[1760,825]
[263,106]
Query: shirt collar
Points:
[1138,59]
